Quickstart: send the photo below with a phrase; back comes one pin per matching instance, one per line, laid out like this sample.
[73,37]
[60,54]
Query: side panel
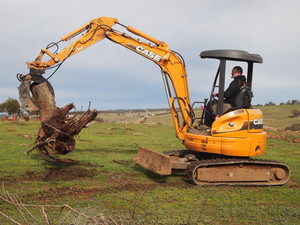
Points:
[203,143]
[242,133]
[237,133]
[232,124]
[253,145]
[258,143]
[236,146]
[255,121]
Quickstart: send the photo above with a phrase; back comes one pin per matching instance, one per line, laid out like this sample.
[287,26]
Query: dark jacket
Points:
[234,88]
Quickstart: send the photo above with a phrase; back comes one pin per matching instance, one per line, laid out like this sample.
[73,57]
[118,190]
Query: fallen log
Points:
[58,129]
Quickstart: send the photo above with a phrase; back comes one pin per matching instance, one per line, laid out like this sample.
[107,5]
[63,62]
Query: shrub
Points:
[294,127]
[296,113]
[10,106]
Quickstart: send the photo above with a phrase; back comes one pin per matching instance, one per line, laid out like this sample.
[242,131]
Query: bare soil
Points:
[290,136]
[115,182]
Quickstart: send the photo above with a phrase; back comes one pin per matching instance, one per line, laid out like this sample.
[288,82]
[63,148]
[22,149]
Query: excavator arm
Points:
[171,64]
[92,32]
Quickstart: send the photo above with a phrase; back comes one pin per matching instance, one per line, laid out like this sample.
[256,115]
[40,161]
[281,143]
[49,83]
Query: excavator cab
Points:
[217,107]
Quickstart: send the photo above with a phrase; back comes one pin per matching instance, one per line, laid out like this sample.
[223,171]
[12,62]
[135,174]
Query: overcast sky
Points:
[112,77]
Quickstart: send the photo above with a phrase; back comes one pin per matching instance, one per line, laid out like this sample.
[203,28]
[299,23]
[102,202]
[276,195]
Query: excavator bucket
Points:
[154,161]
[24,96]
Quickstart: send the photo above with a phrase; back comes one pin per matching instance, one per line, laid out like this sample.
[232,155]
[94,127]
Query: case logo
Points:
[148,53]
[258,121]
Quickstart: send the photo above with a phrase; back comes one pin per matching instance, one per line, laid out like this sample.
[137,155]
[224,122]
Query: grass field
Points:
[108,186]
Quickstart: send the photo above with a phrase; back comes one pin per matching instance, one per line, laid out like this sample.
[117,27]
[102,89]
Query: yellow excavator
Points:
[218,154]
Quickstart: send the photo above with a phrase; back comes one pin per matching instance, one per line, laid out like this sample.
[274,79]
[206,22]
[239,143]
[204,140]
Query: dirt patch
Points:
[25,136]
[115,182]
[130,129]
[110,187]
[122,162]
[55,173]
[290,136]
[116,130]
[69,173]
[8,180]
[102,133]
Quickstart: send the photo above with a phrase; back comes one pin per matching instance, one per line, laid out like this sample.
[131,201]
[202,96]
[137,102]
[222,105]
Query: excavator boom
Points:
[171,64]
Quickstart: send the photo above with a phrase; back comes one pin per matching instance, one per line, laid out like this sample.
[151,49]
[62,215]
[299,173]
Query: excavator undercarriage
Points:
[210,169]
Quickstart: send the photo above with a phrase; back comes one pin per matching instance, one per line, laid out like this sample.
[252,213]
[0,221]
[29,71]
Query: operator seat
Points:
[243,99]
[226,107]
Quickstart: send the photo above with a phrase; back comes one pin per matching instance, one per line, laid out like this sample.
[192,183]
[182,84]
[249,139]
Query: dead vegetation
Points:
[30,217]
[290,136]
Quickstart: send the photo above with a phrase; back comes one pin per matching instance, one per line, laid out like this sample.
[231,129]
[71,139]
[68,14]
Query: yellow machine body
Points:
[237,133]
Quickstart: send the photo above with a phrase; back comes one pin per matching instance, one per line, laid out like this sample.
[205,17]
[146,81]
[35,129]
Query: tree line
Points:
[289,102]
[12,106]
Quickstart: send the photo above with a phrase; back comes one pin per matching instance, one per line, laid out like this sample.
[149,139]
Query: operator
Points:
[230,94]
[233,90]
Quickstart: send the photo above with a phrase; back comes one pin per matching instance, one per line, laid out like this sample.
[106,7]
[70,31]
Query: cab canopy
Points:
[235,55]
[225,55]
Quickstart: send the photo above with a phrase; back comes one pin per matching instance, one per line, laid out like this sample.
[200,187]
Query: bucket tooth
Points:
[154,161]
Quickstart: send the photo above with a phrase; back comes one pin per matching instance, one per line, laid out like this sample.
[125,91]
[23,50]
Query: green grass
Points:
[108,181]
[280,117]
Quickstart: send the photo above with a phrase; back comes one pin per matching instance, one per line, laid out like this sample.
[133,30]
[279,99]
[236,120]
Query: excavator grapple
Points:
[24,95]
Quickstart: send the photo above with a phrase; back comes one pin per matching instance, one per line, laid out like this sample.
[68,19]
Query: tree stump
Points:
[57,132]
[45,99]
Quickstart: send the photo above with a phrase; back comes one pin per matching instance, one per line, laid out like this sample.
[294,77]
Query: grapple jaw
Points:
[24,93]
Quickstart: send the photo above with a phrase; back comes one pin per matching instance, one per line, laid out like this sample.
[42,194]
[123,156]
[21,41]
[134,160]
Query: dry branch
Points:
[25,213]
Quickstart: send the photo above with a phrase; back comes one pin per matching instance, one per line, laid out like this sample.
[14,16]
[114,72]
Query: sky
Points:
[111,77]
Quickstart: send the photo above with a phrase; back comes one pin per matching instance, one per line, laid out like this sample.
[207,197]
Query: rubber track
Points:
[235,161]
